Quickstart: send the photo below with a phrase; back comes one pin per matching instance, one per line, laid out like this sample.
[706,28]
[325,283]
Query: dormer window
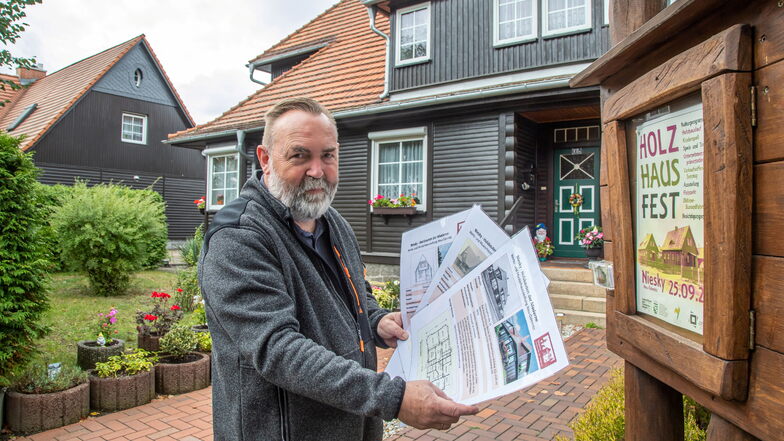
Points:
[413,34]
[515,21]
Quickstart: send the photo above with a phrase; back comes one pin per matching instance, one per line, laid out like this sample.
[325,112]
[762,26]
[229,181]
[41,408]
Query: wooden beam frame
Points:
[720,364]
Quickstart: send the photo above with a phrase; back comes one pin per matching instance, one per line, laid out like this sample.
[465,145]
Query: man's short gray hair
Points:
[304,104]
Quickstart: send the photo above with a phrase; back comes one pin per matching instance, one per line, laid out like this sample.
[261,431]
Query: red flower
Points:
[151,317]
[163,295]
[174,307]
[179,289]
[155,294]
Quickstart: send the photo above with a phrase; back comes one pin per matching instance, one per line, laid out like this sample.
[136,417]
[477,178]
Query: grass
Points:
[73,310]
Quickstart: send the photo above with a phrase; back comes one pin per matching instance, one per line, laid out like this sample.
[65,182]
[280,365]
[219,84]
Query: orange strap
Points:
[354,288]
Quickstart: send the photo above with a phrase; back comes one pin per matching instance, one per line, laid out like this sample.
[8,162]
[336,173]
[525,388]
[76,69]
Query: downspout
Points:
[372,14]
[251,71]
[241,151]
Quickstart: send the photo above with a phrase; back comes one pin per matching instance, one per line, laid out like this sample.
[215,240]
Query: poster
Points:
[669,213]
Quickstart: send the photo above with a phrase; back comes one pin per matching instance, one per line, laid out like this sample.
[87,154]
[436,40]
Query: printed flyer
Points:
[669,213]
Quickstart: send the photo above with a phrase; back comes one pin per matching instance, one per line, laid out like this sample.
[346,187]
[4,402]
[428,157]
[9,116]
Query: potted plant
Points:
[180,369]
[123,381]
[201,204]
[401,206]
[89,352]
[200,315]
[544,248]
[156,322]
[388,295]
[44,397]
[592,239]
[204,342]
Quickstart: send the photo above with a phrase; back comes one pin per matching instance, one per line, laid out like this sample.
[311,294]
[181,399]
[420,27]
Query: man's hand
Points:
[390,328]
[425,406]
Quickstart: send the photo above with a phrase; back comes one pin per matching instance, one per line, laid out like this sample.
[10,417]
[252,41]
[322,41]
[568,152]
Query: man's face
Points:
[302,168]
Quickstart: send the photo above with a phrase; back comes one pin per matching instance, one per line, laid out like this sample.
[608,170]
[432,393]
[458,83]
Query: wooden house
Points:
[679,247]
[648,251]
[458,101]
[102,119]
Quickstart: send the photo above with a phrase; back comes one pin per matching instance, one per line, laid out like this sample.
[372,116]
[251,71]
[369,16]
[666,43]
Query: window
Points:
[565,16]
[223,180]
[399,164]
[413,34]
[514,21]
[134,128]
[138,76]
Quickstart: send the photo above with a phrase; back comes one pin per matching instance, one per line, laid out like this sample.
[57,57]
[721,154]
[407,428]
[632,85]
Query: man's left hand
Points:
[390,328]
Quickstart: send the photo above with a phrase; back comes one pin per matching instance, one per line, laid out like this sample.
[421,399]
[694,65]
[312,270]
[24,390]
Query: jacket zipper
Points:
[283,407]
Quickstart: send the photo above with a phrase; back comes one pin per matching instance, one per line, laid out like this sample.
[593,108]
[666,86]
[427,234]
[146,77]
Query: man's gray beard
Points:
[303,206]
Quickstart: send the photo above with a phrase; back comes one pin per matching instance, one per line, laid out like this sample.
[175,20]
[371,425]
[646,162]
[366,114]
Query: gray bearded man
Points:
[293,322]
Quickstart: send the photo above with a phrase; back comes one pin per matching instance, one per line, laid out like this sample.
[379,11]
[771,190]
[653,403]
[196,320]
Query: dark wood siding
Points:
[525,132]
[352,196]
[462,46]
[89,136]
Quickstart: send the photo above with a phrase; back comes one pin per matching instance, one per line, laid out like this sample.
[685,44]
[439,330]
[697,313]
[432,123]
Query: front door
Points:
[576,170]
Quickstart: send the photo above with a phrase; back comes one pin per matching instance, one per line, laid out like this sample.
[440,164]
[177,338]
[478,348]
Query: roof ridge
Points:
[287,37]
[138,37]
[167,79]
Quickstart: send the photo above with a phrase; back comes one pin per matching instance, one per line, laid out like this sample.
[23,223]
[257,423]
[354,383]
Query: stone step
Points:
[578,303]
[582,318]
[584,289]
[569,274]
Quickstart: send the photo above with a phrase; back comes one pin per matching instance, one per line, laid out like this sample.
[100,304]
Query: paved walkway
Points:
[538,413]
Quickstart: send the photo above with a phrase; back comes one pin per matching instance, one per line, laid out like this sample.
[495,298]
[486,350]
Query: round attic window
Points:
[138,76]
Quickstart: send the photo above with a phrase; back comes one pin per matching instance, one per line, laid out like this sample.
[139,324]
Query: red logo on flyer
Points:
[544,351]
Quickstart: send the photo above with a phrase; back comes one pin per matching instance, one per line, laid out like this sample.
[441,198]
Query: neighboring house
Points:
[459,101]
[102,119]
[648,251]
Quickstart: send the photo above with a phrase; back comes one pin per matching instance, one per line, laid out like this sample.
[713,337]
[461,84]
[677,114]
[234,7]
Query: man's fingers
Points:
[455,410]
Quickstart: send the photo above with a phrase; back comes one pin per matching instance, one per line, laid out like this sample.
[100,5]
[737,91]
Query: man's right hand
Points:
[425,406]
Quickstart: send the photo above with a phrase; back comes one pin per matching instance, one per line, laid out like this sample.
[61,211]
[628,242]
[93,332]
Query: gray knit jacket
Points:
[286,357]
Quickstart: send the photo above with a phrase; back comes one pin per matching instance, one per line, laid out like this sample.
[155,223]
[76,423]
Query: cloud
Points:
[202,44]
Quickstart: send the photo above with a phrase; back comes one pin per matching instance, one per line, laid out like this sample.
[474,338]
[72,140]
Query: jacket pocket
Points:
[260,411]
[283,409]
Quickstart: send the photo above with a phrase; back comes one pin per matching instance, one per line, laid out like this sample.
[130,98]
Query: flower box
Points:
[122,392]
[30,413]
[88,352]
[173,378]
[386,212]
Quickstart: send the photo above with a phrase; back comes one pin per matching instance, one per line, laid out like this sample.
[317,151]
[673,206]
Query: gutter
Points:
[412,104]
[372,9]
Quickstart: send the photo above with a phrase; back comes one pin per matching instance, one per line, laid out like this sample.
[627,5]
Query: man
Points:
[294,325]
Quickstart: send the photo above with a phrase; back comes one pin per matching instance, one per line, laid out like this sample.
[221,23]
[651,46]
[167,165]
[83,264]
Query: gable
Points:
[120,79]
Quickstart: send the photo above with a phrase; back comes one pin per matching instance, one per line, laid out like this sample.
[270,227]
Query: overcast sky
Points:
[202,44]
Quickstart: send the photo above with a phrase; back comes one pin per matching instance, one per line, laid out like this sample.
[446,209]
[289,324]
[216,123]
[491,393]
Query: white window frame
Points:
[400,135]
[606,10]
[144,128]
[222,152]
[546,32]
[533,36]
[429,41]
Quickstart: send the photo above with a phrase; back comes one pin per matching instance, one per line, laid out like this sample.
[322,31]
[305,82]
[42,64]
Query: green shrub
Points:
[24,259]
[191,248]
[388,295]
[204,341]
[603,418]
[179,341]
[200,314]
[52,196]
[35,379]
[188,282]
[108,231]
[126,364]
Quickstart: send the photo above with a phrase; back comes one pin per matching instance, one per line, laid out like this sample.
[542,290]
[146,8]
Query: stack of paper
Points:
[475,304]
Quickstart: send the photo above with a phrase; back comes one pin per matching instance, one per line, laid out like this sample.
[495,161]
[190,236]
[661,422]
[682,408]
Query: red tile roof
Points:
[347,73]
[56,93]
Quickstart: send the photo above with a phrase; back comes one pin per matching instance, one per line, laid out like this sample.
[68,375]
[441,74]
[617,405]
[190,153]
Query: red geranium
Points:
[151,317]
[175,307]
[179,289]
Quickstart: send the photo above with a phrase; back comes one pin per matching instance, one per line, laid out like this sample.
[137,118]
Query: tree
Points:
[11,28]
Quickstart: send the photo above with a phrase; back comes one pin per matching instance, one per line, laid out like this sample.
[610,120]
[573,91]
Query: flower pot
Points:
[201,210]
[88,352]
[386,212]
[124,392]
[173,378]
[594,253]
[148,342]
[200,328]
[30,413]
[542,259]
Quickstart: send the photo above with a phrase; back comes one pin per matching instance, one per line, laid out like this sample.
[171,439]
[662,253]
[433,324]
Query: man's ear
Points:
[264,158]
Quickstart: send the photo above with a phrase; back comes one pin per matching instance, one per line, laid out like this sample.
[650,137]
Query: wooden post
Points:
[720,429]
[626,16]
[654,410]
